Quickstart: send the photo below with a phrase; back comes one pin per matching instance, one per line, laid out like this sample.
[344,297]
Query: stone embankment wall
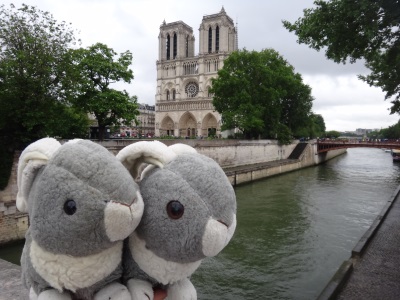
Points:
[255,159]
[13,224]
[308,158]
[227,153]
[10,192]
[246,153]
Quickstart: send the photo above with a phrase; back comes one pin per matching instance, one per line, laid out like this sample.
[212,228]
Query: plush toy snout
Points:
[217,235]
[121,219]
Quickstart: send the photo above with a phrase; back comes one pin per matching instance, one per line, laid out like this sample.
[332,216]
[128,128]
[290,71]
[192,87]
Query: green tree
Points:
[259,93]
[392,132]
[33,47]
[314,128]
[317,128]
[353,30]
[32,100]
[96,69]
[333,134]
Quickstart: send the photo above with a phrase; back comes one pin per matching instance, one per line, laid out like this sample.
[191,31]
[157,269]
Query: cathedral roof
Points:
[222,13]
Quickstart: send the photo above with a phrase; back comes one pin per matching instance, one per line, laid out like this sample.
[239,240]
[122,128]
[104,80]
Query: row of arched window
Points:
[210,48]
[173,42]
[169,70]
[212,65]
[175,46]
[171,95]
[190,67]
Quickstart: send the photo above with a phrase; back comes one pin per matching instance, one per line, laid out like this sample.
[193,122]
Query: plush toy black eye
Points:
[70,207]
[175,209]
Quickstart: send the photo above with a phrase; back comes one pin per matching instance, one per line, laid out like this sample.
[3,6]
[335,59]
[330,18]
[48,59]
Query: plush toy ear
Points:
[182,148]
[31,160]
[154,152]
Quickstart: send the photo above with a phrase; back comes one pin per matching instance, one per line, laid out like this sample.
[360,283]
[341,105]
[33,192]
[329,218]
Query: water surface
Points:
[295,230]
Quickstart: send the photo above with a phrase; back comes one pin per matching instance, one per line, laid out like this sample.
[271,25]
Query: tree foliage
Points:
[33,47]
[362,29]
[96,69]
[259,93]
[32,100]
[392,132]
[318,125]
[333,134]
[44,92]
[315,128]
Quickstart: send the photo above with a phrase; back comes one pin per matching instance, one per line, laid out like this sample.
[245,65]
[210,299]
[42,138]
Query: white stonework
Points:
[183,104]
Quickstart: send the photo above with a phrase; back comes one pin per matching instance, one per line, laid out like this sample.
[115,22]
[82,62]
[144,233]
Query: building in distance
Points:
[183,103]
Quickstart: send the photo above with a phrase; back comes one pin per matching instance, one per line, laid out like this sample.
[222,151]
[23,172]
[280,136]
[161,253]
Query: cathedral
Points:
[183,104]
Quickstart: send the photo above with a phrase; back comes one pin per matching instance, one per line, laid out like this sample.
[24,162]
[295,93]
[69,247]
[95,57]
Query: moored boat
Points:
[396,154]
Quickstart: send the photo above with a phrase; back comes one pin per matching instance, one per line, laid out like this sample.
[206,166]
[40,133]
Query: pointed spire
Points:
[222,10]
[163,23]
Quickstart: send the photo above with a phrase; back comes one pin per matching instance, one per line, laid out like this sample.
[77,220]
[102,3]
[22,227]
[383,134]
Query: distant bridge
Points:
[325,146]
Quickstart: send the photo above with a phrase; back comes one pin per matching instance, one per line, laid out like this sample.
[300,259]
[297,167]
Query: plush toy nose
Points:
[217,235]
[121,219]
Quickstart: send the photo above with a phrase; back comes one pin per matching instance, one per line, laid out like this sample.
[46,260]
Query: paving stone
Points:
[11,287]
[376,275]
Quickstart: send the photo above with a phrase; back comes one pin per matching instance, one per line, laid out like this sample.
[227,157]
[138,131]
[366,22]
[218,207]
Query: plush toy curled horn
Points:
[189,214]
[30,161]
[152,152]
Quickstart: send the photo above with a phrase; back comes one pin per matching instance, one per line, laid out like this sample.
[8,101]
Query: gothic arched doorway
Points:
[187,125]
[167,127]
[209,126]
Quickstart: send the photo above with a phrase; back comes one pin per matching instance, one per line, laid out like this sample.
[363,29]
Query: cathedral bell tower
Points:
[183,104]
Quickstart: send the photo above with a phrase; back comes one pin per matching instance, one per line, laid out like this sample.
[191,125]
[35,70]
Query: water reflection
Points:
[12,252]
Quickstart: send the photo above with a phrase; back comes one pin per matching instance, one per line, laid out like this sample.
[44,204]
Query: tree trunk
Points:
[102,132]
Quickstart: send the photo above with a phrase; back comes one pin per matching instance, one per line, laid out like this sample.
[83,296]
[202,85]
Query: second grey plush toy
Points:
[189,214]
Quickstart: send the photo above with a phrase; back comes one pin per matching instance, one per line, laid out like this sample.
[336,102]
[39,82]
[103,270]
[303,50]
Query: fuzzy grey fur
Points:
[90,175]
[202,187]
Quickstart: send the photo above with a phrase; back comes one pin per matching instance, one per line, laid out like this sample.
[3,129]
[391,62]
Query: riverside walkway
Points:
[373,270]
[11,287]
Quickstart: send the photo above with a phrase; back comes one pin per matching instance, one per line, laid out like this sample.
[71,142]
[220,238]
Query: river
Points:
[295,230]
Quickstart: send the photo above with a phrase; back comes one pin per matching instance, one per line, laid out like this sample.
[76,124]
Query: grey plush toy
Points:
[189,214]
[82,203]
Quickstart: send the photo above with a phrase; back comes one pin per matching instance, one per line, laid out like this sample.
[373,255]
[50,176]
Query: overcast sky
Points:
[345,102]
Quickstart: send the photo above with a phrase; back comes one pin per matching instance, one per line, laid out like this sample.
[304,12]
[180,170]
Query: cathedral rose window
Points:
[191,89]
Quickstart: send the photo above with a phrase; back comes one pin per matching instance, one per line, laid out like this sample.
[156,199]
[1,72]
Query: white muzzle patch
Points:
[216,236]
[121,220]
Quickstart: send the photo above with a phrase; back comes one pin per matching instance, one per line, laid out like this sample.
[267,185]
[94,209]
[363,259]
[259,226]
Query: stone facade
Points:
[9,193]
[183,102]
[13,224]
[146,123]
